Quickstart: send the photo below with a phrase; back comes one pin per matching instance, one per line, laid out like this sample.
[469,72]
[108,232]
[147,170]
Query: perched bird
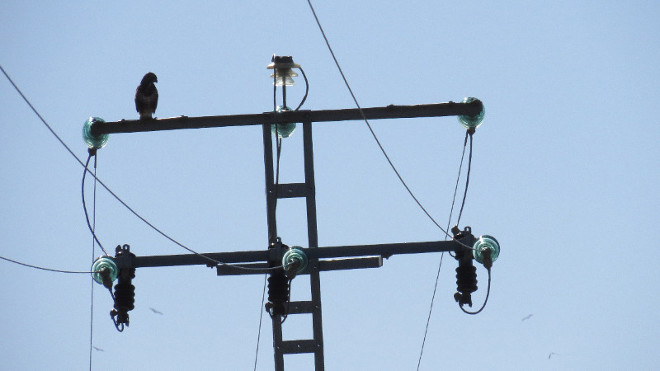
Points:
[146,96]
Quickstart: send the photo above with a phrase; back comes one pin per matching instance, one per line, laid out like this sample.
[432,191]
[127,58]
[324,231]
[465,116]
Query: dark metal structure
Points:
[319,258]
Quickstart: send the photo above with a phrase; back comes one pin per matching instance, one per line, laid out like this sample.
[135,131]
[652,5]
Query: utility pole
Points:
[281,262]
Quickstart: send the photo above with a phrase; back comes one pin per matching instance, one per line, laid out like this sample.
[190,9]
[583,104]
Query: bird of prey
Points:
[527,317]
[98,349]
[146,96]
[156,311]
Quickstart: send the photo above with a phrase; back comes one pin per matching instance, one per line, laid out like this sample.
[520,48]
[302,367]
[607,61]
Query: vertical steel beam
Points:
[271,195]
[277,343]
[271,216]
[312,235]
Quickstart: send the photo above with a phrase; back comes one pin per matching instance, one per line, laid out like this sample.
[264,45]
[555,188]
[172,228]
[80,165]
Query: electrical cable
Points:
[92,153]
[45,269]
[91,301]
[306,89]
[275,90]
[91,319]
[485,300]
[148,223]
[437,277]
[458,178]
[428,318]
[261,318]
[39,115]
[115,195]
[467,177]
[278,141]
[278,145]
[364,117]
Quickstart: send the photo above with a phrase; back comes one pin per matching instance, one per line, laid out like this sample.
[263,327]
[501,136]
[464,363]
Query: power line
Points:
[115,195]
[428,318]
[458,178]
[437,276]
[92,153]
[485,300]
[387,157]
[261,317]
[87,170]
[40,117]
[91,320]
[467,177]
[45,269]
[91,300]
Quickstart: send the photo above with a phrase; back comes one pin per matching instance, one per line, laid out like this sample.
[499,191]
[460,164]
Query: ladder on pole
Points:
[313,307]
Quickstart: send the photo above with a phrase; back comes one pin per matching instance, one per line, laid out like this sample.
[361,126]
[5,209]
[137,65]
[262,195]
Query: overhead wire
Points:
[87,170]
[304,98]
[467,176]
[428,318]
[91,300]
[44,268]
[485,300]
[92,153]
[458,178]
[405,185]
[437,276]
[373,133]
[261,318]
[91,324]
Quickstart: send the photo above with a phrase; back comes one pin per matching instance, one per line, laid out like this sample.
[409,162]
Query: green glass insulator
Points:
[472,122]
[104,262]
[294,260]
[283,130]
[484,243]
[94,141]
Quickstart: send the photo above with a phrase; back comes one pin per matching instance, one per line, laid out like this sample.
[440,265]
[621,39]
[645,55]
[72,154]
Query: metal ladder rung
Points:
[299,346]
[293,190]
[301,307]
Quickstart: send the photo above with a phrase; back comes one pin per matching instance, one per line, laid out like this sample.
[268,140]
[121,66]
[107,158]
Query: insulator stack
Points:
[466,280]
[124,290]
[278,294]
[278,283]
[466,272]
[124,301]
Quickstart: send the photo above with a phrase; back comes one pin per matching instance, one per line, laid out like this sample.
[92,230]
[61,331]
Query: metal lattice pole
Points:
[306,190]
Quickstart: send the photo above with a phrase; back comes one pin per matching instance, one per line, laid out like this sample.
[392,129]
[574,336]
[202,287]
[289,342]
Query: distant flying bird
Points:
[156,311]
[552,354]
[98,349]
[146,96]
[527,317]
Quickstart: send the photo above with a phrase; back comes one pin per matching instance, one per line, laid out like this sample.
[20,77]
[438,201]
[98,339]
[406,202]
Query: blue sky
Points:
[564,175]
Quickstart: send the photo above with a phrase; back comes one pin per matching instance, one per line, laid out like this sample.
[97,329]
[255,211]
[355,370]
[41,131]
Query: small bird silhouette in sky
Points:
[156,311]
[146,96]
[527,317]
[98,349]
[552,354]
